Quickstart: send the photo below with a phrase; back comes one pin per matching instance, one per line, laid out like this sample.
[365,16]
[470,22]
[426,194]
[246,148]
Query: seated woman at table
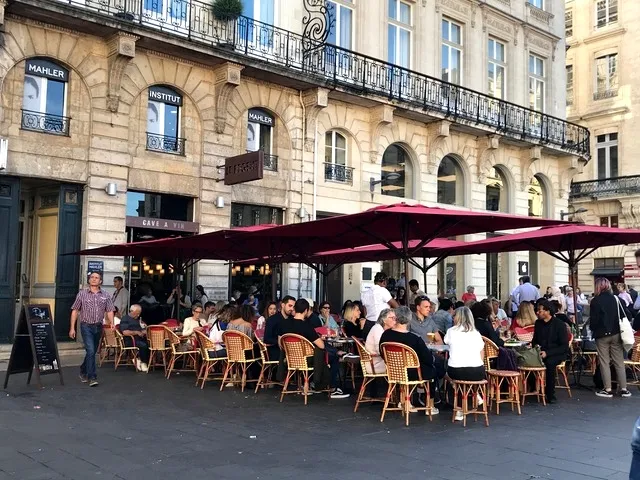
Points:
[466,348]
[326,318]
[194,321]
[386,320]
[240,319]
[482,314]
[351,324]
[523,324]
[399,333]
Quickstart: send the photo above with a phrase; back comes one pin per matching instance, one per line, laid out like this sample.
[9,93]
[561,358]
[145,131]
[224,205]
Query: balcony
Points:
[165,144]
[607,187]
[270,162]
[45,123]
[338,173]
[602,94]
[295,57]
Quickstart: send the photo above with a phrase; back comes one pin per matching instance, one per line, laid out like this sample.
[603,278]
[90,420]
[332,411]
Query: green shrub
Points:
[227,9]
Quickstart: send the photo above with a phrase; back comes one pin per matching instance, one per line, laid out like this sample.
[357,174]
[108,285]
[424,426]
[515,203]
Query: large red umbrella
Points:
[568,243]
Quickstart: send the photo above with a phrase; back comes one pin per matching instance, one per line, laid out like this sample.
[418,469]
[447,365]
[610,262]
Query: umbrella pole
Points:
[274,282]
[325,283]
[424,274]
[574,280]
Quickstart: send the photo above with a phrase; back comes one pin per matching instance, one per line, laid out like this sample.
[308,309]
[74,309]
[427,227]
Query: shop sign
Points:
[44,68]
[244,168]
[163,224]
[523,268]
[94,266]
[258,116]
[165,95]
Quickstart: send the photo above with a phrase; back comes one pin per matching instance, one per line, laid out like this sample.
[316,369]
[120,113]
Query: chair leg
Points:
[361,394]
[391,387]
[427,401]
[404,393]
[226,374]
[260,378]
[455,402]
[485,408]
[172,363]
[286,384]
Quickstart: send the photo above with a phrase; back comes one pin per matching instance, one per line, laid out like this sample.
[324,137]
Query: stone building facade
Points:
[153,102]
[601,75]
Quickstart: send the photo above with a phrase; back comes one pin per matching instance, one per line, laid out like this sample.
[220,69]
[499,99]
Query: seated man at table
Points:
[551,336]
[130,327]
[272,326]
[422,324]
[300,325]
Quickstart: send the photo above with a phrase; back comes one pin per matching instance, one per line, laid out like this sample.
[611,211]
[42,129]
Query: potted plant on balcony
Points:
[227,12]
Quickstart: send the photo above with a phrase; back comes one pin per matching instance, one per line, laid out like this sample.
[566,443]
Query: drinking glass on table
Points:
[431,338]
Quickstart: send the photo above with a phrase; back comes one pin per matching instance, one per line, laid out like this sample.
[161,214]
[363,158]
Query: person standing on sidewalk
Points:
[91,303]
[604,322]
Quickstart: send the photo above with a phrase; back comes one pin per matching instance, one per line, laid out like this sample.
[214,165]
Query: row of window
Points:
[606,14]
[606,78]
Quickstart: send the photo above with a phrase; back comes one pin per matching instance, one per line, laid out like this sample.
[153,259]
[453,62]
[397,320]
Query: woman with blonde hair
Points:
[523,325]
[351,325]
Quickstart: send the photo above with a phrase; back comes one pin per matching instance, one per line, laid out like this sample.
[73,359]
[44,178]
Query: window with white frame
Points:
[399,33]
[537,3]
[497,68]
[536,83]
[163,120]
[341,32]
[260,10]
[44,100]
[335,158]
[569,85]
[607,154]
[606,76]
[606,12]
[451,51]
[260,131]
[568,23]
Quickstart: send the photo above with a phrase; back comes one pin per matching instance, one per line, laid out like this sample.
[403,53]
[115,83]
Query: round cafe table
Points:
[437,348]
[514,344]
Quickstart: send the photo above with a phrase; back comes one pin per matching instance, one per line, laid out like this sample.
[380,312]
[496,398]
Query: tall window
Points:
[496,68]
[536,83]
[396,173]
[569,85]
[163,120]
[175,11]
[260,10]
[451,52]
[341,32]
[537,3]
[568,23]
[450,182]
[606,12]
[611,221]
[44,100]
[335,148]
[607,151]
[399,33]
[606,76]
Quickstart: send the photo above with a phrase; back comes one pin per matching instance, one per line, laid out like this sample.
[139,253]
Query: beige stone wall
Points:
[107,145]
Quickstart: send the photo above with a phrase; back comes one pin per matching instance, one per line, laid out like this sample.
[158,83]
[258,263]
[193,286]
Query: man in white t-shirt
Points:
[377,298]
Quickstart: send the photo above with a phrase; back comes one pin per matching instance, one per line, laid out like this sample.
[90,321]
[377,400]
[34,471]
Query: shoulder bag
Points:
[529,357]
[626,332]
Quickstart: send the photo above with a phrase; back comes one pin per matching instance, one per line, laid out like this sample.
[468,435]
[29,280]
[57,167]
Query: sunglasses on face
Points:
[324,308]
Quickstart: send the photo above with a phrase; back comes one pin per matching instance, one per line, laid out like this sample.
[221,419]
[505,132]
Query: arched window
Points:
[541,265]
[450,182]
[536,198]
[397,173]
[497,199]
[260,136]
[44,101]
[163,120]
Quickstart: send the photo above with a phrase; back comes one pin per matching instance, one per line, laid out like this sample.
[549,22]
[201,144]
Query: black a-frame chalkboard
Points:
[34,345]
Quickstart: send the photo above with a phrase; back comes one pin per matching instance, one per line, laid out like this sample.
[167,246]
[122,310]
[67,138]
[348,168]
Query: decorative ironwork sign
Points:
[317,23]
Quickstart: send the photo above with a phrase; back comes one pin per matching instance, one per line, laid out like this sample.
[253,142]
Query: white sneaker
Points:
[229,385]
[480,401]
[412,409]
[138,363]
[434,411]
[144,367]
[459,416]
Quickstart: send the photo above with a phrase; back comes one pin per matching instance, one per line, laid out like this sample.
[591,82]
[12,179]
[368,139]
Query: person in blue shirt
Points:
[443,318]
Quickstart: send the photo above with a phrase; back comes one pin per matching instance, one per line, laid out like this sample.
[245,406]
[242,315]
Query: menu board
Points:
[34,345]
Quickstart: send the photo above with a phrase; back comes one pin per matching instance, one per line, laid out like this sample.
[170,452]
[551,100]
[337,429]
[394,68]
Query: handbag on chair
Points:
[529,357]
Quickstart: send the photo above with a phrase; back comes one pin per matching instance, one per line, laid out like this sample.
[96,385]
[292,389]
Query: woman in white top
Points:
[386,320]
[466,348]
[194,321]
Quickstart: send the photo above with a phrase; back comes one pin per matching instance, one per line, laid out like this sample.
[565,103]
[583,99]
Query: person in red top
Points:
[469,295]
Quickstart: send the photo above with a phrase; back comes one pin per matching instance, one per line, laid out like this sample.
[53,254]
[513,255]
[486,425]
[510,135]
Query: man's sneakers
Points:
[141,366]
[459,416]
[604,394]
[625,393]
[338,393]
[83,378]
[93,383]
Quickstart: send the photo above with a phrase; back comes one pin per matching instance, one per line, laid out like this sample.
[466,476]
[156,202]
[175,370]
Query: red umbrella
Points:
[568,243]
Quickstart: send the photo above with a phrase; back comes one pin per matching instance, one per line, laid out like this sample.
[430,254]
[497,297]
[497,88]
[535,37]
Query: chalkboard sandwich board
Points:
[34,345]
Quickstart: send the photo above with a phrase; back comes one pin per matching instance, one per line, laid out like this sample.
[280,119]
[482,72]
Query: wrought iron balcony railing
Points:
[45,122]
[338,173]
[165,144]
[270,161]
[331,65]
[606,187]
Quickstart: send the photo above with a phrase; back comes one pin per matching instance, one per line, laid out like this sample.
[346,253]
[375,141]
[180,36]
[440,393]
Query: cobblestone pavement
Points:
[137,426]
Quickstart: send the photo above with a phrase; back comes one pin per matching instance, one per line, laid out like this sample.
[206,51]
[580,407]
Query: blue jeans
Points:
[91,334]
[634,474]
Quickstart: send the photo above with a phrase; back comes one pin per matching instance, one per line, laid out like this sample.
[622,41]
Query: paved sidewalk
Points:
[137,426]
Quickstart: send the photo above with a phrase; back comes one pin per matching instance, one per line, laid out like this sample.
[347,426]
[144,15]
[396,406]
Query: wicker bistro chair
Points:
[299,354]
[158,346]
[368,375]
[540,375]
[109,347]
[561,372]
[634,364]
[238,362]
[128,353]
[187,356]
[267,369]
[399,359]
[208,362]
[498,377]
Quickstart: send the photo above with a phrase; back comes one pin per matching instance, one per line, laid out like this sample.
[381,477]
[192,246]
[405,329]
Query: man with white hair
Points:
[136,335]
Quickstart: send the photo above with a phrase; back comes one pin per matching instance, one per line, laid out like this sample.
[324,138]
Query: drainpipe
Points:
[304,127]
[312,274]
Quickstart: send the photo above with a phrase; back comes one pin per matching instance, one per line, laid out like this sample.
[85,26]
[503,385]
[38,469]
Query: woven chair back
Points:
[264,353]
[110,339]
[119,338]
[399,358]
[491,351]
[366,361]
[156,337]
[635,352]
[297,349]
[237,344]
[204,344]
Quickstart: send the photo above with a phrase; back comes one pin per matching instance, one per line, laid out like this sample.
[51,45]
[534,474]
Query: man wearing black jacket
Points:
[272,327]
[550,334]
